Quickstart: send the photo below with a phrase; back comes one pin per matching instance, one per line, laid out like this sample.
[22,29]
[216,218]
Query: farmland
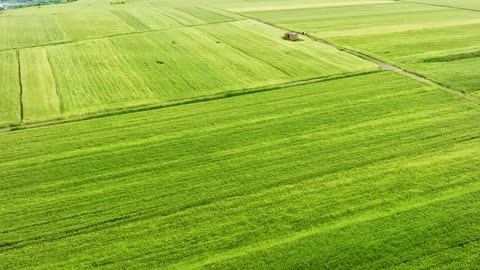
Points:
[133,70]
[337,163]
[406,34]
[180,134]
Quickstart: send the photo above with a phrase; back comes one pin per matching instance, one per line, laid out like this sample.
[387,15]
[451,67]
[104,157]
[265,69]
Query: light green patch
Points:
[205,15]
[84,25]
[19,32]
[40,99]
[367,19]
[130,19]
[9,89]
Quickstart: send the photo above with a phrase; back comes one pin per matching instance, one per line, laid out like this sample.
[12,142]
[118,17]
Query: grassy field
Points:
[40,98]
[16,32]
[365,19]
[467,4]
[438,42]
[9,89]
[174,134]
[290,178]
[132,70]
[447,55]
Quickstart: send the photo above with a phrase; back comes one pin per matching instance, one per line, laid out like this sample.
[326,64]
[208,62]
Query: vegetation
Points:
[9,89]
[181,134]
[279,179]
[123,71]
[410,49]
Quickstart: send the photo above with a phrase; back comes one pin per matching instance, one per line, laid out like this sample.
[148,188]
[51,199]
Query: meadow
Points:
[105,74]
[448,55]
[435,41]
[465,4]
[294,177]
[175,134]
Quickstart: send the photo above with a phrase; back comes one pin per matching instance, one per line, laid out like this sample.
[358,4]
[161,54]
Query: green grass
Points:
[367,19]
[131,20]
[275,5]
[83,25]
[414,50]
[40,99]
[205,15]
[468,4]
[152,19]
[19,31]
[133,70]
[371,171]
[9,89]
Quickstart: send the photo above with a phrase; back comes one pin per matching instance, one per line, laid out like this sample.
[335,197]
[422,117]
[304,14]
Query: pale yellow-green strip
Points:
[40,99]
[9,89]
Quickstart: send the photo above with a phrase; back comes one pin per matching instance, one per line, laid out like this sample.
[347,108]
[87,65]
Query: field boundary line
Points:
[438,5]
[20,84]
[174,103]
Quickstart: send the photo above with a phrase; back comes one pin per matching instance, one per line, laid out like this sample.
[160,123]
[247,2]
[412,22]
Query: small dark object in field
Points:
[291,36]
[159,62]
[173,42]
[218,42]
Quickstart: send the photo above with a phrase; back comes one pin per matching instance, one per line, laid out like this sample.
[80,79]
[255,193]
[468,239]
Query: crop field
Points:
[466,4]
[134,70]
[182,134]
[288,178]
[9,89]
[367,19]
[448,55]
[39,97]
[16,32]
[437,42]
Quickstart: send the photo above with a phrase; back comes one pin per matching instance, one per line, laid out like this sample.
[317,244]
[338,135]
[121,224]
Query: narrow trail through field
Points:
[173,103]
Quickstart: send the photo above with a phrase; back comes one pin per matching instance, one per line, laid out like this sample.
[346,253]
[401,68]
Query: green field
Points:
[9,89]
[181,134]
[145,68]
[364,19]
[405,34]
[466,4]
[447,55]
[292,177]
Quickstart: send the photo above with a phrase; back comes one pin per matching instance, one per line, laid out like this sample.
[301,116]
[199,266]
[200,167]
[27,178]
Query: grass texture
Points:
[372,171]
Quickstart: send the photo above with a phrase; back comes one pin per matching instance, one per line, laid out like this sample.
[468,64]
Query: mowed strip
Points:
[370,171]
[10,105]
[40,99]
